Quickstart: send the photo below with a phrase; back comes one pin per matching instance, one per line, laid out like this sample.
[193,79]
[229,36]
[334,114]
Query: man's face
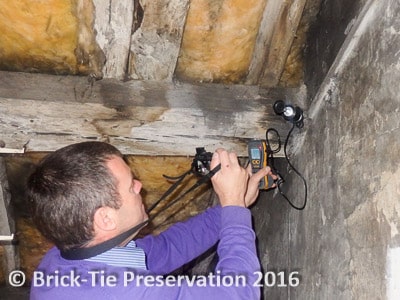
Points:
[132,211]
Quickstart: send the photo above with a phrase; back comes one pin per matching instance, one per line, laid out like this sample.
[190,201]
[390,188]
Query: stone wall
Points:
[325,38]
[345,244]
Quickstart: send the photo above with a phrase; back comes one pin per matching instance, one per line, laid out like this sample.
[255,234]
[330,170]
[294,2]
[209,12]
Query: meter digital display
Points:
[255,153]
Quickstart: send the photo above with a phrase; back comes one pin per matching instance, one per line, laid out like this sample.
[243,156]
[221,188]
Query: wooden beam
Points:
[45,112]
[113,24]
[277,31]
[155,44]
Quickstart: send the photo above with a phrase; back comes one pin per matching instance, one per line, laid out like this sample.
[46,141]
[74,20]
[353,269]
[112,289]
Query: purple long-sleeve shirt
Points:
[234,277]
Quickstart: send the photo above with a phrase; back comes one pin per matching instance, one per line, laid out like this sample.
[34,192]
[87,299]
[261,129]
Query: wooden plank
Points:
[113,24]
[156,42]
[46,112]
[271,15]
[277,30]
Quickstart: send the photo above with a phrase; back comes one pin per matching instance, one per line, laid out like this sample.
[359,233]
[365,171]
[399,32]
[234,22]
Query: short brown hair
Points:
[66,189]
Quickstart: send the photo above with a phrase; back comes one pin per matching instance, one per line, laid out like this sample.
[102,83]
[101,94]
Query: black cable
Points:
[280,178]
[201,181]
[267,140]
[271,152]
[170,190]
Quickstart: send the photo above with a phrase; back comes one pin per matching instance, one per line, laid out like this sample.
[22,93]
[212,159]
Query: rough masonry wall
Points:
[346,243]
[325,38]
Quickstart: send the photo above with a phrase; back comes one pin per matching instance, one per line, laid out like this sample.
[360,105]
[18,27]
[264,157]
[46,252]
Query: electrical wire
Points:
[199,182]
[271,163]
[178,181]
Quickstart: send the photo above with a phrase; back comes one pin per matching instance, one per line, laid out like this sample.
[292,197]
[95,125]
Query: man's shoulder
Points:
[51,255]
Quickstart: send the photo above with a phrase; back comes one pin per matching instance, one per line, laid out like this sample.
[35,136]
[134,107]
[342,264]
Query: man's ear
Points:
[105,218]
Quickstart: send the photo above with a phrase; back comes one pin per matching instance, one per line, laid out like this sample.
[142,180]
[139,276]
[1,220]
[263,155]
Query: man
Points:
[86,201]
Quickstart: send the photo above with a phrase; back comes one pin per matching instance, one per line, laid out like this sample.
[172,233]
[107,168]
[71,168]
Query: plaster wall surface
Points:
[346,243]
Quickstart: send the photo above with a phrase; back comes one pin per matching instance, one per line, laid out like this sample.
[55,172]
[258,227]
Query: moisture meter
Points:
[258,155]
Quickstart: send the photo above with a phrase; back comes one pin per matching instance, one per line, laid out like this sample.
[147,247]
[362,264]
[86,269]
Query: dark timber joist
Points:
[45,112]
[275,38]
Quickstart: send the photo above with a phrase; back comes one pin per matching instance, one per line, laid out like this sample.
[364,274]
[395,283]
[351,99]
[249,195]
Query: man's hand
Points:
[252,188]
[230,183]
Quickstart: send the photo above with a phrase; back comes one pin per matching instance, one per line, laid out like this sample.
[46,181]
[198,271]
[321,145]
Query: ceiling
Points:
[128,56]
[237,41]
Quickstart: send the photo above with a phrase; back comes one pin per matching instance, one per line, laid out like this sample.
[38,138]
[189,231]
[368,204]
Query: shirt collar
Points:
[129,256]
